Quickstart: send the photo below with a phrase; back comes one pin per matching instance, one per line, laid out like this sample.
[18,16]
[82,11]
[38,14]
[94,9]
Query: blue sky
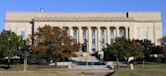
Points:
[83,6]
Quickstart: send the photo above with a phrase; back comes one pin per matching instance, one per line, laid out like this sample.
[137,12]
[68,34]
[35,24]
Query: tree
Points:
[148,46]
[163,41]
[10,45]
[136,49]
[53,43]
[123,49]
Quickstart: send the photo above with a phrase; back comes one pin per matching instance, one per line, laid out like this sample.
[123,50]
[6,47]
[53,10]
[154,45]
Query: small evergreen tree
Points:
[10,45]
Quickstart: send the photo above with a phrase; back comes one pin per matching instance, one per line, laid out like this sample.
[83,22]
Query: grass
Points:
[38,70]
[147,70]
[20,67]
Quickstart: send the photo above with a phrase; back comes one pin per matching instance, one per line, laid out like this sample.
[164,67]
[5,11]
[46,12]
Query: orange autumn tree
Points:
[54,42]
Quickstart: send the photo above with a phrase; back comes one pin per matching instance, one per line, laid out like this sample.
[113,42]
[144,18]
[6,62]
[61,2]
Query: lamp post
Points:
[25,60]
[25,56]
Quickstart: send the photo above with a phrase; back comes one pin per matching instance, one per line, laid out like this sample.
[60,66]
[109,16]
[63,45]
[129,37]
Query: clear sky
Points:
[83,6]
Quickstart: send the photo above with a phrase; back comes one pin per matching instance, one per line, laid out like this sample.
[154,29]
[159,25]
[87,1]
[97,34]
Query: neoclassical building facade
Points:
[94,29]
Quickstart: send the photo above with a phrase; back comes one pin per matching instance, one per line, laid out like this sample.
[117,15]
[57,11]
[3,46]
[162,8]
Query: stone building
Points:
[94,28]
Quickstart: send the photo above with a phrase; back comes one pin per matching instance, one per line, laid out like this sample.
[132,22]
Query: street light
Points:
[25,56]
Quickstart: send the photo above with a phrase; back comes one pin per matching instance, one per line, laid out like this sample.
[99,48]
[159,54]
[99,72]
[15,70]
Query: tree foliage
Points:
[122,49]
[10,45]
[53,43]
[163,41]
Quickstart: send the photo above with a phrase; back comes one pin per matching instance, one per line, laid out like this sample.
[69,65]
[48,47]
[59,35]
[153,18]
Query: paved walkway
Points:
[57,73]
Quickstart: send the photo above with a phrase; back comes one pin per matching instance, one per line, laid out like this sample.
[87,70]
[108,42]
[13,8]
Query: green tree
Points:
[123,49]
[53,43]
[148,47]
[163,41]
[10,45]
[136,49]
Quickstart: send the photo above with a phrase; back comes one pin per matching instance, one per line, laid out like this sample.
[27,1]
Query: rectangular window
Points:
[93,40]
[75,36]
[102,34]
[111,36]
[122,34]
[145,35]
[102,38]
[84,36]
[93,34]
[23,34]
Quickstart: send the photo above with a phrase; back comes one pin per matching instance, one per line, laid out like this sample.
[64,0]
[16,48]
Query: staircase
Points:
[87,61]
[84,57]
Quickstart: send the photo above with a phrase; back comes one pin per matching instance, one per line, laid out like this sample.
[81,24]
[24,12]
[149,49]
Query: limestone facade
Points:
[93,28]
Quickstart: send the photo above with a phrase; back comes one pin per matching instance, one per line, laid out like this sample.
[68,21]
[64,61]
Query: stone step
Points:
[103,67]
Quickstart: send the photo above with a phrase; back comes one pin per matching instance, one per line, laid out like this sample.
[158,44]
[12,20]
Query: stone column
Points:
[131,35]
[80,35]
[68,31]
[71,31]
[114,32]
[105,36]
[98,38]
[96,41]
[126,32]
[77,34]
[108,35]
[117,31]
[89,40]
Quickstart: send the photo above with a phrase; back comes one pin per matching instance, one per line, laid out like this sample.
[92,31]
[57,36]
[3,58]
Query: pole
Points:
[143,64]
[25,60]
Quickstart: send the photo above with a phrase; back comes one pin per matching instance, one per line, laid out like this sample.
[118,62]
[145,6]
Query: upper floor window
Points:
[122,33]
[93,34]
[75,34]
[84,34]
[145,35]
[23,34]
[102,34]
[111,34]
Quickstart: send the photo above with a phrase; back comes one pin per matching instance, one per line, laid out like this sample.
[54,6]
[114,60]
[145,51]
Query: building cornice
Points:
[82,19]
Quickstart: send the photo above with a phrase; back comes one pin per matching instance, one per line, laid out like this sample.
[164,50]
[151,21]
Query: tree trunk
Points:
[117,63]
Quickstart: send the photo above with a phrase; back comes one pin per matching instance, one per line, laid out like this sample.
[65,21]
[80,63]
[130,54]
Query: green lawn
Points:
[20,67]
[147,70]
